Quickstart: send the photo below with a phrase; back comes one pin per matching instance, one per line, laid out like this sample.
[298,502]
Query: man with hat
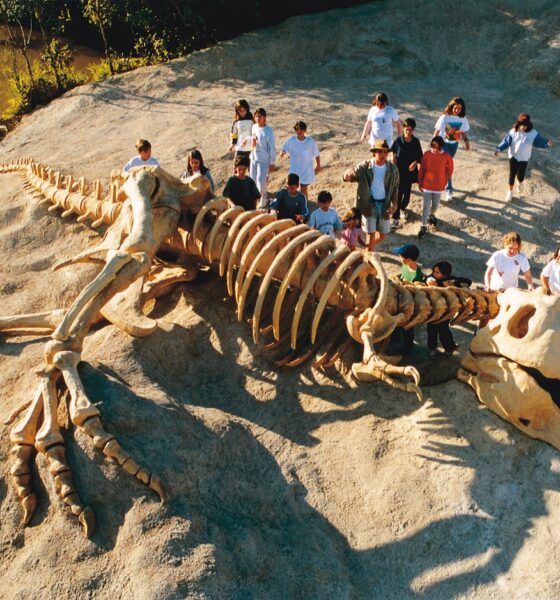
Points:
[376,195]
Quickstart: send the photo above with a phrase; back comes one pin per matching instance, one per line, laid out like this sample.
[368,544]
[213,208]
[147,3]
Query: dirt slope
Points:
[290,484]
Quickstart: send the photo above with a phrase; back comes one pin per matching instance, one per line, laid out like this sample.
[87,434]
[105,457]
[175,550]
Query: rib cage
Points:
[297,284]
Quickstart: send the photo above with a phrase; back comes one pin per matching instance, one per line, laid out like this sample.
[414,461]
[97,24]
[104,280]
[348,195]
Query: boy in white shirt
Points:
[144,157]
[325,219]
[504,265]
[303,153]
[550,276]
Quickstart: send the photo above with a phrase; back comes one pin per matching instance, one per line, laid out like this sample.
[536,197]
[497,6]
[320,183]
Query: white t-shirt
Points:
[302,158]
[552,271]
[382,120]
[136,161]
[378,183]
[326,221]
[243,129]
[506,269]
[450,128]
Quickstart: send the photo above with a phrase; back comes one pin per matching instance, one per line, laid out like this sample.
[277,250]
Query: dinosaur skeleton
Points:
[305,290]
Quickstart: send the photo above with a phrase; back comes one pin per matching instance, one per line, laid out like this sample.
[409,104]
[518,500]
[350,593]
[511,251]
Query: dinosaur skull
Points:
[513,364]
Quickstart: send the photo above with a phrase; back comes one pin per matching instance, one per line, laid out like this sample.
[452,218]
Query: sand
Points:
[290,484]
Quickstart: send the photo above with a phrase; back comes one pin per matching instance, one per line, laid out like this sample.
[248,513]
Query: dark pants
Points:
[403,339]
[442,331]
[405,185]
[517,167]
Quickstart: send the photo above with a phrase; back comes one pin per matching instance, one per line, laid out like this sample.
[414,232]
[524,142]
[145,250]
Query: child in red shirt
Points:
[435,169]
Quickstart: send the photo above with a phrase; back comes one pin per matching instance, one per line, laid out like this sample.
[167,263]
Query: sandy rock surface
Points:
[291,484]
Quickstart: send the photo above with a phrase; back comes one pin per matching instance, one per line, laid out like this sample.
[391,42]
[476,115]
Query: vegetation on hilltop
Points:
[131,33]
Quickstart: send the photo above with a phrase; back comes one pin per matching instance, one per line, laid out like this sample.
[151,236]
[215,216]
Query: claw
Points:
[87,519]
[29,504]
[156,484]
[21,475]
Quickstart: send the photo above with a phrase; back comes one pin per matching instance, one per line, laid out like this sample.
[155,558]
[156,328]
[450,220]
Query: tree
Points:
[101,14]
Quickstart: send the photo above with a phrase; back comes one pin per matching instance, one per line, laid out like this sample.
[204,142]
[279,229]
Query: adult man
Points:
[377,192]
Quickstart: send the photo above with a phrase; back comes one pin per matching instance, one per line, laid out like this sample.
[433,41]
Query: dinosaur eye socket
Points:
[518,325]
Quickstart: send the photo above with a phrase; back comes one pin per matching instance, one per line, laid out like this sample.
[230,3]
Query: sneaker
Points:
[395,224]
[422,232]
[432,220]
[432,354]
[452,351]
[519,187]
[449,196]
[509,195]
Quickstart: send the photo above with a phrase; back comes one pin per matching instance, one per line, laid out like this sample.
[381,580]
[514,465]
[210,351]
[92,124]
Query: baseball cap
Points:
[407,251]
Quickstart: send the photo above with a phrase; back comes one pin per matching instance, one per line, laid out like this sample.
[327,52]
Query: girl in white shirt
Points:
[519,142]
[550,276]
[453,126]
[241,130]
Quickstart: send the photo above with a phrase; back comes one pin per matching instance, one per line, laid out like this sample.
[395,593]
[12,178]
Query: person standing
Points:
[325,218]
[453,126]
[240,188]
[380,121]
[550,276]
[376,194]
[504,266]
[196,166]
[407,154]
[304,154]
[144,157]
[290,203]
[263,153]
[241,130]
[520,141]
[441,272]
[436,169]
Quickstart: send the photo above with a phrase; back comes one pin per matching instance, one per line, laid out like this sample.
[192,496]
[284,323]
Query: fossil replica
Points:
[513,364]
[305,293]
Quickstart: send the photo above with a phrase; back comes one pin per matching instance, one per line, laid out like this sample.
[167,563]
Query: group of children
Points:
[383,188]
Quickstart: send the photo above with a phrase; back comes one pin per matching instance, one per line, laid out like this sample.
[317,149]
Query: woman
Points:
[453,126]
[520,141]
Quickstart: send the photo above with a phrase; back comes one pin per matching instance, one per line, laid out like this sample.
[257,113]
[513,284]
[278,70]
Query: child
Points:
[353,234]
[441,272]
[410,272]
[325,218]
[435,169]
[240,188]
[303,151]
[263,153]
[241,130]
[453,126]
[520,141]
[289,203]
[504,265]
[196,166]
[380,121]
[144,157]
[550,276]
[407,154]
